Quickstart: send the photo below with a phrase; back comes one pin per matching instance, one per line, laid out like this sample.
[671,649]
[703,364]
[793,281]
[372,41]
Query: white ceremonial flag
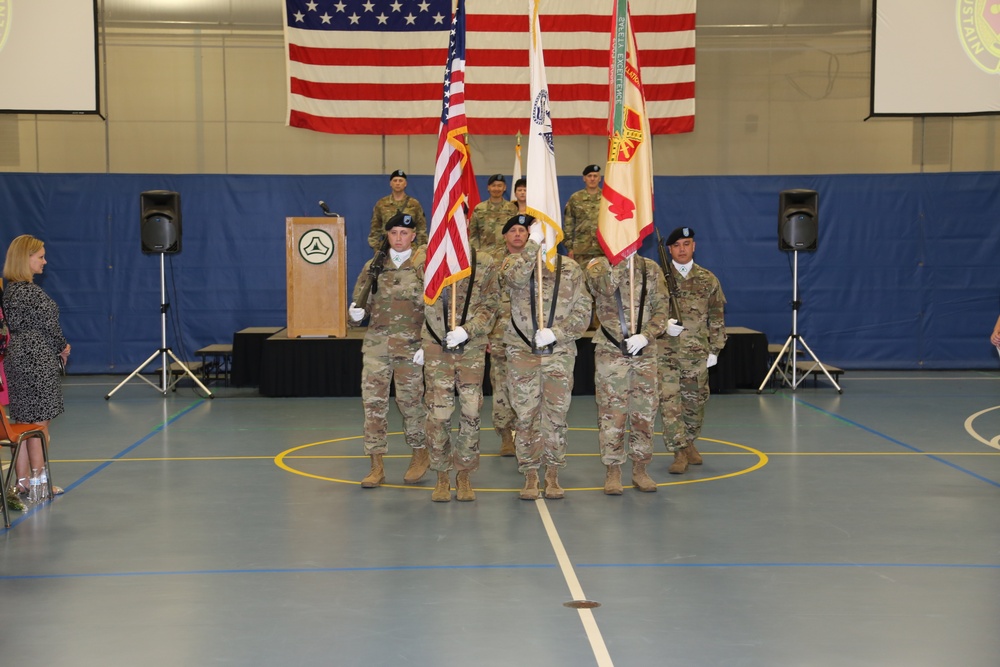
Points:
[543,189]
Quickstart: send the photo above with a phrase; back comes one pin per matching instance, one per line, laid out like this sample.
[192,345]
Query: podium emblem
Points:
[316,246]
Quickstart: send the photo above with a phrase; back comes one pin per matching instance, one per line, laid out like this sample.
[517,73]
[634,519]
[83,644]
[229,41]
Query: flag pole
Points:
[631,289]
[538,279]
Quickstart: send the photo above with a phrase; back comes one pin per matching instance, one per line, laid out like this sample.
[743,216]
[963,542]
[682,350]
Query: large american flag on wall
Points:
[374,66]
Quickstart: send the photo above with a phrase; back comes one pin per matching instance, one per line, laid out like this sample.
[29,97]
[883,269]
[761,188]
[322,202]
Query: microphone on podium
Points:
[326,209]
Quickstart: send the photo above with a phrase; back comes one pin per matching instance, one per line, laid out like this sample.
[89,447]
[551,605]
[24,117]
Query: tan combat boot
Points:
[641,479]
[680,463]
[420,461]
[530,490]
[507,442]
[377,474]
[464,487]
[552,489]
[693,455]
[442,491]
[613,481]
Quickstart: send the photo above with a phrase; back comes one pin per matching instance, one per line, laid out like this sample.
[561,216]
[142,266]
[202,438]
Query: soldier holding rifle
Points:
[696,333]
[390,292]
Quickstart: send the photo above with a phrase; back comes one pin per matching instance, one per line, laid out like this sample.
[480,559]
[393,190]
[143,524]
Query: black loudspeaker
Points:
[798,220]
[161,222]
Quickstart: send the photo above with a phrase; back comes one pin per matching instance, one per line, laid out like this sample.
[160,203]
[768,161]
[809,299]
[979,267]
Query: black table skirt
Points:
[332,366]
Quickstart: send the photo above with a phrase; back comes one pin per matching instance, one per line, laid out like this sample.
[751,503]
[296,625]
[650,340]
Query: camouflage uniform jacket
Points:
[605,280]
[486,227]
[483,305]
[580,225]
[702,306]
[385,208]
[573,303]
[503,309]
[396,311]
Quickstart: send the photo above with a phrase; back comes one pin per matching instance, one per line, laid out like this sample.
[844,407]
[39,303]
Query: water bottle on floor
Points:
[34,488]
[43,484]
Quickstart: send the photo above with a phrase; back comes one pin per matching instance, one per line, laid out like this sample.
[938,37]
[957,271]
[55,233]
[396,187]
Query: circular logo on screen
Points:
[316,246]
[979,30]
[4,22]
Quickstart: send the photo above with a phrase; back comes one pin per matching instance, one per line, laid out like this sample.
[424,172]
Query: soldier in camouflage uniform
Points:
[488,219]
[580,218]
[521,195]
[625,368]
[392,350]
[515,234]
[688,349]
[397,202]
[455,361]
[541,353]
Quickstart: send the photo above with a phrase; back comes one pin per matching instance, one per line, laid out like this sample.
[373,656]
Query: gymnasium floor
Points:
[822,530]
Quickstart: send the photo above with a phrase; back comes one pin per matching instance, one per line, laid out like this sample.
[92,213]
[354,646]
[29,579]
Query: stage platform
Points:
[280,366]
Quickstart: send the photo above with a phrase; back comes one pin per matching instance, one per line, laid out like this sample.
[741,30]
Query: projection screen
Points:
[935,57]
[48,56]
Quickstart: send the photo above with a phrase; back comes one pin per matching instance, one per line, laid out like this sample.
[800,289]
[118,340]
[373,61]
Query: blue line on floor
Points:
[411,568]
[288,570]
[933,457]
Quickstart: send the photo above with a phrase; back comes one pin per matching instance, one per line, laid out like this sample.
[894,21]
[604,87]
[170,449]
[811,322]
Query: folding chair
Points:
[13,436]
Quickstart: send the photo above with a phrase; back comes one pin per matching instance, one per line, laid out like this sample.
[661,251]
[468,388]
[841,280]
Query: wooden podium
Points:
[316,256]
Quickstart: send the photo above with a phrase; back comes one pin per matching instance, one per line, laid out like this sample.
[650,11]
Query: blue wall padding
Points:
[907,273]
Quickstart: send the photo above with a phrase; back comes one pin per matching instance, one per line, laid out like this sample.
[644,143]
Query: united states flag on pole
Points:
[626,214]
[448,244]
[373,66]
[543,188]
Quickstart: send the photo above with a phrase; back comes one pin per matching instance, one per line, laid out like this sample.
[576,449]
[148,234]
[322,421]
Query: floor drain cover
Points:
[581,604]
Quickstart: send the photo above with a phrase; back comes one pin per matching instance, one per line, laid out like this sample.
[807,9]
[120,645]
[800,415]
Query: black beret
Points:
[496,177]
[680,233]
[398,172]
[591,169]
[523,219]
[521,183]
[400,220]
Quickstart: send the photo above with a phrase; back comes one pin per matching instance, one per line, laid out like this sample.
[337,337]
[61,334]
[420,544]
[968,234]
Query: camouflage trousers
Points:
[625,389]
[683,394]
[376,373]
[503,413]
[540,388]
[444,374]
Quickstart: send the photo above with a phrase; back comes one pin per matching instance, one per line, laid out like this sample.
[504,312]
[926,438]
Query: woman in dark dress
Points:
[36,347]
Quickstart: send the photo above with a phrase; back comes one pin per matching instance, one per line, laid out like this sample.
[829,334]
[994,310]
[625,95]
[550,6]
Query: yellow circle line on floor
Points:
[279,461]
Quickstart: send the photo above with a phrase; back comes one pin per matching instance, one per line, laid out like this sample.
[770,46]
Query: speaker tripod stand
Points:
[164,352]
[789,374]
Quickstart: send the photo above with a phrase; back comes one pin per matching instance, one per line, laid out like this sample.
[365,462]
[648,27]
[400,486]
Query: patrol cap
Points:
[398,172]
[496,177]
[400,220]
[521,183]
[680,233]
[522,219]
[591,169]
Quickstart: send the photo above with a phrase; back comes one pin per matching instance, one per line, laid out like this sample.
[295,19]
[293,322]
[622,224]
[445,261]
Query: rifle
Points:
[669,275]
[374,271]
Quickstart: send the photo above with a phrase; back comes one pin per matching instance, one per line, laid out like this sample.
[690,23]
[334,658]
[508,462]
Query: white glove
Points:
[418,357]
[673,328]
[712,360]
[544,337]
[536,234]
[635,343]
[456,337]
[357,314]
